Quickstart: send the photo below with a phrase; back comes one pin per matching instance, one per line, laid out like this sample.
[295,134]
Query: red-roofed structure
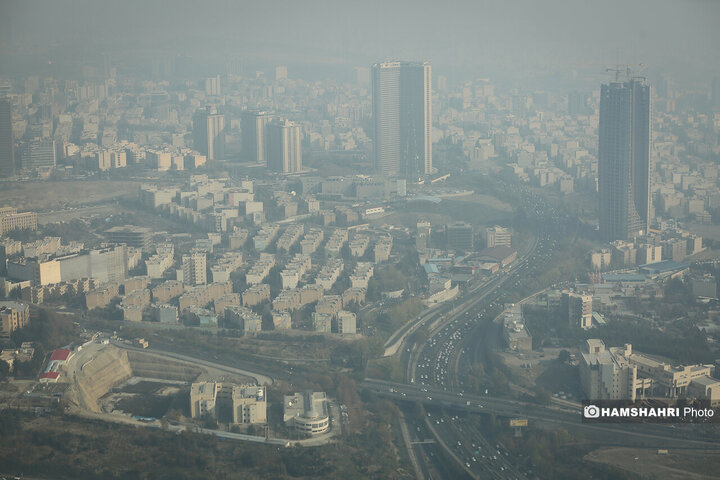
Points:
[60,355]
[50,375]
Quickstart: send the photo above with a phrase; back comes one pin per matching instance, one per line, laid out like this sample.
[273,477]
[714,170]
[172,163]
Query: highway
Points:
[435,371]
[650,435]
[432,363]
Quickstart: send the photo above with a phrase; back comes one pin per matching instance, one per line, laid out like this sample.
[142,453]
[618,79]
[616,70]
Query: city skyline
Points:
[399,240]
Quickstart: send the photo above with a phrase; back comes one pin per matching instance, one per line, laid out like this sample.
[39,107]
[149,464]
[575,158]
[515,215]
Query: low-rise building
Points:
[310,294]
[249,321]
[102,296]
[138,298]
[202,295]
[227,300]
[329,273]
[200,316]
[704,286]
[600,258]
[312,240]
[619,373]
[166,291]
[165,313]
[515,333]
[606,376]
[10,220]
[460,236]
[353,295]
[282,320]
[265,236]
[286,300]
[161,261]
[382,248]
[260,269]
[322,322]
[22,354]
[290,236]
[502,255]
[307,412]
[330,304]
[135,283]
[226,265]
[359,245]
[237,239]
[131,235]
[335,243]
[705,388]
[346,323]
[248,403]
[256,294]
[579,309]
[498,236]
[13,316]
[132,313]
[362,275]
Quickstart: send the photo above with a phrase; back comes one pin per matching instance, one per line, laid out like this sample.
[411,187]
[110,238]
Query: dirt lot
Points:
[485,200]
[676,465]
[144,405]
[51,195]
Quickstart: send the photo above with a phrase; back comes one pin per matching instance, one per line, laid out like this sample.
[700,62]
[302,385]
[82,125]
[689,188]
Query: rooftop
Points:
[664,266]
[60,355]
[308,404]
[623,277]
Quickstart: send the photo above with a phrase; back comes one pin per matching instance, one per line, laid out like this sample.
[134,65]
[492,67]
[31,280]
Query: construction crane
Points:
[619,69]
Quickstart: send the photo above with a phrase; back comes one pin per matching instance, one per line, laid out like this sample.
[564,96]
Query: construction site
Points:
[119,383]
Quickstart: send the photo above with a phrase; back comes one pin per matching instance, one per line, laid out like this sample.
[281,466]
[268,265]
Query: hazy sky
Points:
[678,36]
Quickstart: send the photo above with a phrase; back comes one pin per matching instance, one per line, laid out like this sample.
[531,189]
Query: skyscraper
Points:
[284,148]
[38,153]
[402,111]
[578,104]
[212,86]
[254,126]
[624,159]
[7,152]
[209,133]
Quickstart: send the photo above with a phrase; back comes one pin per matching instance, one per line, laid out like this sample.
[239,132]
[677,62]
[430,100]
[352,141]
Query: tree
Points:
[542,396]
[564,356]
[4,370]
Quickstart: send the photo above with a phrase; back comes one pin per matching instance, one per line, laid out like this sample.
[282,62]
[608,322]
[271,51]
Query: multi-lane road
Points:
[432,364]
[649,435]
[435,373]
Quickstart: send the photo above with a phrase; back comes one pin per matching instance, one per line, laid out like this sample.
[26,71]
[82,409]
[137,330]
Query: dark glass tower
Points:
[7,152]
[624,159]
[402,115]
